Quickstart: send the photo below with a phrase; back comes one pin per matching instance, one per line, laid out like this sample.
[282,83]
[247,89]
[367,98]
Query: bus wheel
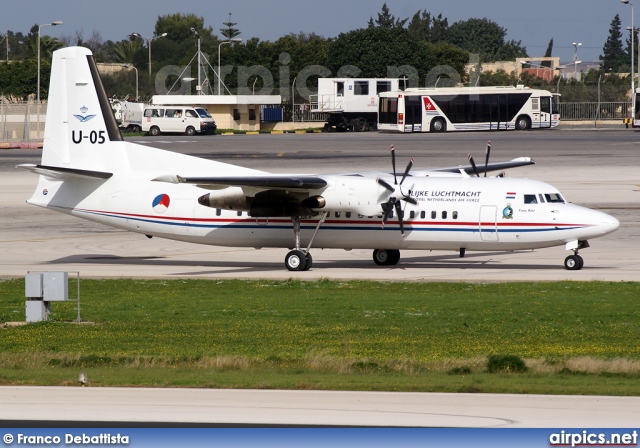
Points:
[362,125]
[155,131]
[438,125]
[523,123]
[190,131]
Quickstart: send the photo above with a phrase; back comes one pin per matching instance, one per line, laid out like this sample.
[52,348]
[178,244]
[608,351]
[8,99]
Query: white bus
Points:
[467,109]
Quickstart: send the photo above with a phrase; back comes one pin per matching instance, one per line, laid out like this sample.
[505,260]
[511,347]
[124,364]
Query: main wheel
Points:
[438,125]
[308,262]
[154,130]
[523,123]
[295,260]
[384,257]
[190,131]
[573,263]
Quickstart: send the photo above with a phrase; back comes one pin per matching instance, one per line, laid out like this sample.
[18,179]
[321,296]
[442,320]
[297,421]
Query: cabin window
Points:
[423,214]
[360,216]
[412,214]
[239,213]
[361,88]
[337,214]
[348,214]
[554,198]
[444,215]
[433,214]
[455,215]
[218,212]
[530,199]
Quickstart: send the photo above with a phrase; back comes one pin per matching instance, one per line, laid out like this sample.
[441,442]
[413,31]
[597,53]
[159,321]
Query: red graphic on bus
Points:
[428,105]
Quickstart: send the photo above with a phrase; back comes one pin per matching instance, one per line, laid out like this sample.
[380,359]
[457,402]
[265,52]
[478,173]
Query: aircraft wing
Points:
[268,182]
[57,172]
[495,166]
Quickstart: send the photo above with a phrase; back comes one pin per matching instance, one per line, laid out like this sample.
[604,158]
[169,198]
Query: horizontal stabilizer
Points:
[55,172]
[277,182]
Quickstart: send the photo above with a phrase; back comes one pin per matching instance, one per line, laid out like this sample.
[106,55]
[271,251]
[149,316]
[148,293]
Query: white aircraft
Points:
[87,170]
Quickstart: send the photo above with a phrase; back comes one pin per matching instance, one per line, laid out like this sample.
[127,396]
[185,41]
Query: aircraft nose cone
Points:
[610,223]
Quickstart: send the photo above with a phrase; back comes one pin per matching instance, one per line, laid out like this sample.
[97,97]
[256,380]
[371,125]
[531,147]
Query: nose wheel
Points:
[573,262]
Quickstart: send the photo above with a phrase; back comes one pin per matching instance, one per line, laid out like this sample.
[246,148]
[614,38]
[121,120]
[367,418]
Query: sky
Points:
[533,22]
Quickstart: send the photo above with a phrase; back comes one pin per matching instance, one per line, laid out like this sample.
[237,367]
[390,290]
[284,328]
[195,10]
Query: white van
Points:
[189,120]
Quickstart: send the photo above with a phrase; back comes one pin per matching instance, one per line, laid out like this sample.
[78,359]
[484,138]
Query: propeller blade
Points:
[388,208]
[393,164]
[486,158]
[399,212]
[406,171]
[410,200]
[473,164]
[386,185]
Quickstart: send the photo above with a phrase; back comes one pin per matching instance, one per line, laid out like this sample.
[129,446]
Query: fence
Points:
[24,122]
[21,122]
[589,111]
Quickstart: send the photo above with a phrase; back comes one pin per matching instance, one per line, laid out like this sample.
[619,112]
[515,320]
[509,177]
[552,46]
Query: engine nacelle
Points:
[231,198]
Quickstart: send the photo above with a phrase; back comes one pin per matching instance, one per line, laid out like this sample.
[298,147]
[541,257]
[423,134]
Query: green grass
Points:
[573,337]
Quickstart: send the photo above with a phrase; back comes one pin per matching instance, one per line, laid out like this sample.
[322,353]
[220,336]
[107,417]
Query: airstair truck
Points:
[352,103]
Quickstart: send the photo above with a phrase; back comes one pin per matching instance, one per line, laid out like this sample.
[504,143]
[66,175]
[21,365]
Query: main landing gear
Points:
[386,257]
[297,259]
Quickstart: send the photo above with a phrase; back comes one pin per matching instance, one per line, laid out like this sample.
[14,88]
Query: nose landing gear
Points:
[573,262]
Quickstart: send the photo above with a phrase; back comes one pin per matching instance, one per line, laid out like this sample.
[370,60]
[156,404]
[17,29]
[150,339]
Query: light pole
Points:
[58,22]
[199,87]
[235,39]
[575,59]
[149,46]
[627,2]
[133,67]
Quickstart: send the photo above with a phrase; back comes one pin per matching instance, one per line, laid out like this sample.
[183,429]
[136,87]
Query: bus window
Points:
[383,86]
[361,87]
[388,110]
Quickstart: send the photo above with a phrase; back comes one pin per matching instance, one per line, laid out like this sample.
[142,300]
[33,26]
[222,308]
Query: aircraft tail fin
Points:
[80,124]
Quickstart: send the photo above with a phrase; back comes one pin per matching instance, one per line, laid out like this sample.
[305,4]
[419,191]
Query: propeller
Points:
[486,158]
[486,161]
[394,202]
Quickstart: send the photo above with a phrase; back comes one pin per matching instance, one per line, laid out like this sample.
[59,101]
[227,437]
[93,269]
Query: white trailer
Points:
[352,103]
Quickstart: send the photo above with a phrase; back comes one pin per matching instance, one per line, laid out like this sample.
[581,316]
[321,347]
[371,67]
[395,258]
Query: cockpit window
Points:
[554,198]
[530,199]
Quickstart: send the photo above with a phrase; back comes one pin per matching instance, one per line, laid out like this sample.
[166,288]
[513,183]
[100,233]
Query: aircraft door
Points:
[488,223]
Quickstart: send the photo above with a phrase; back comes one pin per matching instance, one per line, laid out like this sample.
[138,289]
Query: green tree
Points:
[613,55]
[125,51]
[428,28]
[547,54]
[386,19]
[374,49]
[486,38]
[229,32]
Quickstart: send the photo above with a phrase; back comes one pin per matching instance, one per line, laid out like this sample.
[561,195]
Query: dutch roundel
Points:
[161,203]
